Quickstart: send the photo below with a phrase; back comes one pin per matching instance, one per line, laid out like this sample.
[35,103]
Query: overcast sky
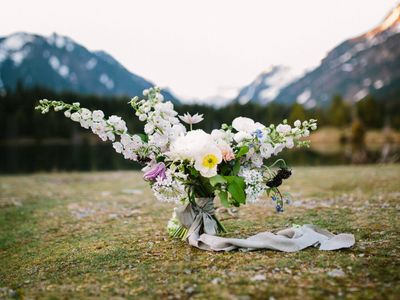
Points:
[200,48]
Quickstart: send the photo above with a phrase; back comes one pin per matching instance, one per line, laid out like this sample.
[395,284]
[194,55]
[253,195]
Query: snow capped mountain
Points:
[267,85]
[60,64]
[357,67]
[354,69]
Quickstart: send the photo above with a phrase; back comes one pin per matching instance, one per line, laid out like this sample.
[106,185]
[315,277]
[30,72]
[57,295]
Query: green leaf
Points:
[223,196]
[236,168]
[237,192]
[242,151]
[217,179]
[143,137]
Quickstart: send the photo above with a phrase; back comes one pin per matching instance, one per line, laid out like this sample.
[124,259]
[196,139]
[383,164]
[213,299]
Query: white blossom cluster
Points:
[264,142]
[255,185]
[129,146]
[169,189]
[162,125]
[106,129]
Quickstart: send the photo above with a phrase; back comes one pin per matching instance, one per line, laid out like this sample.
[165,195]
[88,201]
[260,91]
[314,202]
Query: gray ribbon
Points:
[198,219]
[202,233]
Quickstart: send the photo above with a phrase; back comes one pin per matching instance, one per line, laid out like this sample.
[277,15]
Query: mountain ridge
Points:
[61,64]
[354,68]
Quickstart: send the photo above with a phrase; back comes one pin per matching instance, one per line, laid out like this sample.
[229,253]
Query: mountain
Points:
[266,86]
[367,64]
[357,67]
[60,64]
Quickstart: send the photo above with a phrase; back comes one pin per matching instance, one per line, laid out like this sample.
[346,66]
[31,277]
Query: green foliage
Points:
[298,112]
[242,151]
[370,112]
[339,112]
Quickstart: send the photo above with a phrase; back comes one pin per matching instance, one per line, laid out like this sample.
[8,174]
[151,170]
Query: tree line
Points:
[18,119]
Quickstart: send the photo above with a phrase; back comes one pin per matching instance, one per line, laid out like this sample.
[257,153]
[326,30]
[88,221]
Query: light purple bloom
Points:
[158,170]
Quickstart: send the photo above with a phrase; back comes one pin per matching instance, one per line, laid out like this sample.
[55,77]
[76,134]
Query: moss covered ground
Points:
[102,236]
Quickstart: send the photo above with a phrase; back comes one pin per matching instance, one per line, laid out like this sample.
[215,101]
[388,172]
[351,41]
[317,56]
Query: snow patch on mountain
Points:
[61,42]
[15,47]
[267,85]
[107,81]
[91,63]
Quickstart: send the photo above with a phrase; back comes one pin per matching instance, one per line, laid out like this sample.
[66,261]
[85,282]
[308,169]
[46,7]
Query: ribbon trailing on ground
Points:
[202,227]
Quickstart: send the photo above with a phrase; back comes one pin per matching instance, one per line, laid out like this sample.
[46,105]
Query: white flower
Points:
[166,108]
[149,128]
[142,117]
[118,147]
[266,150]
[76,117]
[306,132]
[278,148]
[188,146]
[257,160]
[207,161]
[289,142]
[118,123]
[284,129]
[242,135]
[86,123]
[297,123]
[176,131]
[160,97]
[189,119]
[255,186]
[85,113]
[314,126]
[97,115]
[243,124]
[145,92]
[67,113]
[159,140]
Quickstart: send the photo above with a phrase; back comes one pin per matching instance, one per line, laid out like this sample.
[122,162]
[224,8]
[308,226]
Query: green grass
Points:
[102,236]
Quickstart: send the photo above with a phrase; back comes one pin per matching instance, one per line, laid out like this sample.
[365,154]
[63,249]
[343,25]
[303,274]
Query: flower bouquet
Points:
[191,167]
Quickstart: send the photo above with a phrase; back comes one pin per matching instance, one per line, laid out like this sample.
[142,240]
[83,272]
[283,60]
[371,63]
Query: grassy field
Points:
[102,236]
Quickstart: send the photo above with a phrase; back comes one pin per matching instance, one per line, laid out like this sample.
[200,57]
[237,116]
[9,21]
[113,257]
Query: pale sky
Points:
[200,48]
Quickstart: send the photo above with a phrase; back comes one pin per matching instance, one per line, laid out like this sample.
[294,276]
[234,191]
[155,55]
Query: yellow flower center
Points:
[210,161]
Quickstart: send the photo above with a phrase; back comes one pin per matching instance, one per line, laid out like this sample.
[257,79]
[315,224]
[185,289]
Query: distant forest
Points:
[18,119]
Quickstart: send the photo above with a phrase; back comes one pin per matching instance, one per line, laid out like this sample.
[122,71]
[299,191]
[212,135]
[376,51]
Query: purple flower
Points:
[158,170]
